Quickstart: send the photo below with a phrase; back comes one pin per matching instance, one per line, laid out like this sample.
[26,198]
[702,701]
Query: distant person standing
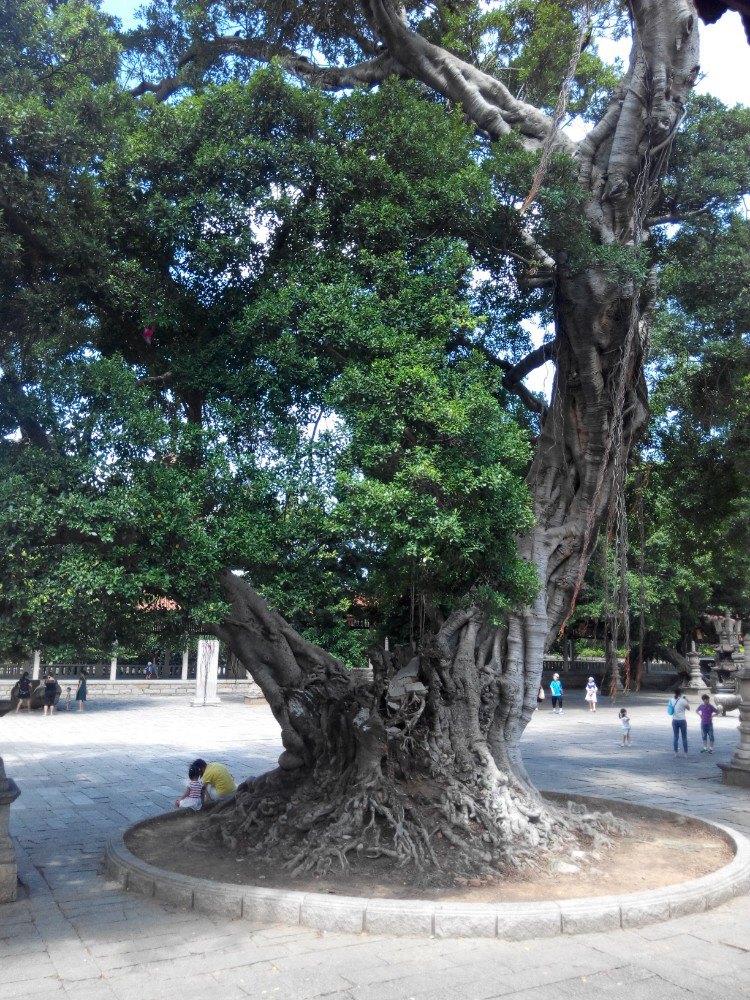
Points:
[707,711]
[591,692]
[677,707]
[24,691]
[556,692]
[81,691]
[625,725]
[51,693]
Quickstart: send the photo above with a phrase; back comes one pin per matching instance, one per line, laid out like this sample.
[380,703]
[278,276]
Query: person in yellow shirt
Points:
[218,783]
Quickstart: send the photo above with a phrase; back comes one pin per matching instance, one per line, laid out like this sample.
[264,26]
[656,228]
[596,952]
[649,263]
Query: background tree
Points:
[696,513]
[687,495]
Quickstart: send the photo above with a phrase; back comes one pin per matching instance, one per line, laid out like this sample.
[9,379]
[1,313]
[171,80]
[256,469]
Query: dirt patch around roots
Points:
[655,851]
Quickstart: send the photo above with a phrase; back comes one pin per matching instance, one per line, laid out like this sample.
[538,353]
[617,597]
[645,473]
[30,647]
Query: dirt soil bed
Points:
[654,852]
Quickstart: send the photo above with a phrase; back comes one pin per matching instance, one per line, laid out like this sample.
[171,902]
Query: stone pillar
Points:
[737,771]
[9,792]
[696,686]
[185,662]
[207,674]
[35,670]
[113,669]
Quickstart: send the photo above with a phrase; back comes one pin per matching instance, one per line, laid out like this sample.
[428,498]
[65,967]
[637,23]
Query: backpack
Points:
[670,708]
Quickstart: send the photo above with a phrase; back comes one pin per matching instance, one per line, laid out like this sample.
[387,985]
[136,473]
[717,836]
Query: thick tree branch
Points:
[165,379]
[206,53]
[16,403]
[485,100]
[512,374]
[674,218]
[538,357]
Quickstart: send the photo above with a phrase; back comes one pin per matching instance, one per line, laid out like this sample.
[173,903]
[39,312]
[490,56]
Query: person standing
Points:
[51,692]
[591,691]
[81,691]
[556,691]
[625,726]
[24,691]
[677,707]
[707,711]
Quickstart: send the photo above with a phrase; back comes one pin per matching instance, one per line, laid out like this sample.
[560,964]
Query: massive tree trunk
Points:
[424,766]
[416,769]
[599,404]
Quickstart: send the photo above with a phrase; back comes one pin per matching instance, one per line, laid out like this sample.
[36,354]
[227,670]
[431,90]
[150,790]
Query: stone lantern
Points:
[695,685]
[9,792]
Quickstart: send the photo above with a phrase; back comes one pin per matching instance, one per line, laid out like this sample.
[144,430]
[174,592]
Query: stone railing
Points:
[123,671]
[597,664]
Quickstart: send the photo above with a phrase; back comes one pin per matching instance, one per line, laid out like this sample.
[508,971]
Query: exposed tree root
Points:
[432,831]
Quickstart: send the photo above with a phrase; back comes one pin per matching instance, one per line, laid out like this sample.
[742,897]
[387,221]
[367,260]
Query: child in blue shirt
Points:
[556,691]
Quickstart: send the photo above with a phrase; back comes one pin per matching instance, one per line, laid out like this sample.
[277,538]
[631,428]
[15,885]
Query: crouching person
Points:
[218,783]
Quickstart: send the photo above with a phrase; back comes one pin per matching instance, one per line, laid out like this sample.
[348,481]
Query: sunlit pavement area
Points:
[74,934]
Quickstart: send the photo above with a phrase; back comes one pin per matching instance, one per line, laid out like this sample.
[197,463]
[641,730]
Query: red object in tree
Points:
[148,334]
[711,10]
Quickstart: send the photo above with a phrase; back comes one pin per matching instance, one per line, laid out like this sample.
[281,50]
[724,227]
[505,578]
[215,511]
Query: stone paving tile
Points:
[83,778]
[38,988]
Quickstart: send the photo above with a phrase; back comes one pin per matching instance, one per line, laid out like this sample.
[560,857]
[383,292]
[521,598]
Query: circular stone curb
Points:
[432,918]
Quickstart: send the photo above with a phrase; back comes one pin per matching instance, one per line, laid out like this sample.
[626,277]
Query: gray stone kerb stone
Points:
[431,918]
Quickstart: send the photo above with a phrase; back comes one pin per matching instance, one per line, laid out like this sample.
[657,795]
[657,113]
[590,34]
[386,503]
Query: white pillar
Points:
[37,665]
[113,669]
[207,674]
[185,662]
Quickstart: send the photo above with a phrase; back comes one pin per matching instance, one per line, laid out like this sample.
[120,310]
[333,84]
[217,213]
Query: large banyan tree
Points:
[423,765]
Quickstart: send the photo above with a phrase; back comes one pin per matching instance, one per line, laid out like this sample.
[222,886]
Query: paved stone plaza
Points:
[73,934]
